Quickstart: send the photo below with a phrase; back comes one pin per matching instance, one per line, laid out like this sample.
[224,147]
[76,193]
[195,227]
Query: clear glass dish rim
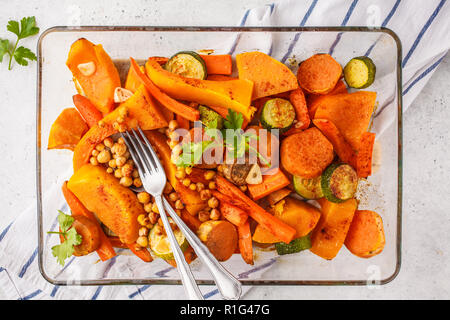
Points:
[255,282]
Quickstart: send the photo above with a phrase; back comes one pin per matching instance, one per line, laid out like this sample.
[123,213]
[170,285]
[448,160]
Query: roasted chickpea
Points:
[120,161]
[94,153]
[148,207]
[93,161]
[143,197]
[205,194]
[209,175]
[104,156]
[167,188]
[153,217]
[203,216]
[110,170]
[180,173]
[213,202]
[155,208]
[127,170]
[143,232]
[215,214]
[186,182]
[126,181]
[173,196]
[179,204]
[200,186]
[188,170]
[137,182]
[142,241]
[118,173]
[100,147]
[108,142]
[112,163]
[193,186]
[173,124]
[212,185]
[143,219]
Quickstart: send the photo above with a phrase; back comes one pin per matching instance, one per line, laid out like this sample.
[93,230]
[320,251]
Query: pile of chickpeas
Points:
[117,159]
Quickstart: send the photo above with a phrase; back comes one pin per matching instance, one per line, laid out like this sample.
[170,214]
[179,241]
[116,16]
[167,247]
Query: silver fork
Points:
[154,179]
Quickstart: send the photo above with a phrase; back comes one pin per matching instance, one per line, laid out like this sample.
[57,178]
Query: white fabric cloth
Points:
[423,28]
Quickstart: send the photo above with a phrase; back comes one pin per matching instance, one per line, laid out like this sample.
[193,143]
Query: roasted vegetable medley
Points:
[255,155]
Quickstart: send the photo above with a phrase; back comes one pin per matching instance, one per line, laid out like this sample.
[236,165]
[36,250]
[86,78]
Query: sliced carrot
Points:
[191,221]
[278,228]
[297,98]
[218,63]
[364,157]
[245,242]
[90,235]
[171,104]
[105,251]
[272,181]
[235,215]
[116,243]
[342,148]
[142,253]
[87,110]
[278,195]
[182,122]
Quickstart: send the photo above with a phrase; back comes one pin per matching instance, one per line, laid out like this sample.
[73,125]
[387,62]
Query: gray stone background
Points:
[426,221]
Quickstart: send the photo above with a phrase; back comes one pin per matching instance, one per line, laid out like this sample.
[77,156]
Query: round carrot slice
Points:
[306,153]
[90,234]
[319,74]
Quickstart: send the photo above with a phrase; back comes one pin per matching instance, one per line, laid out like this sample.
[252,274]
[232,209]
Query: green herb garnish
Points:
[71,238]
[25,29]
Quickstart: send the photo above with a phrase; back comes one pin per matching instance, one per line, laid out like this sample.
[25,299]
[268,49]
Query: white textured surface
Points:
[424,272]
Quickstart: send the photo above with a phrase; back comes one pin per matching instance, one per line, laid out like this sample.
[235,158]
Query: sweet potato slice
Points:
[115,205]
[365,237]
[319,74]
[341,147]
[350,113]
[330,233]
[220,237]
[67,130]
[268,75]
[306,154]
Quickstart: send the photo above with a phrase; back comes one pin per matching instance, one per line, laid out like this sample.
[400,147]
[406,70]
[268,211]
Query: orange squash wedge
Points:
[98,86]
[67,130]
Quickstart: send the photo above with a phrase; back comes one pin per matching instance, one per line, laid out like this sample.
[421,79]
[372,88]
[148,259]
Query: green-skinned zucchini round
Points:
[188,64]
[277,114]
[339,182]
[209,118]
[296,245]
[308,189]
[359,72]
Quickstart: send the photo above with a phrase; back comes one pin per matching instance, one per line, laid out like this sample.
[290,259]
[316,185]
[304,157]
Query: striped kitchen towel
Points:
[423,28]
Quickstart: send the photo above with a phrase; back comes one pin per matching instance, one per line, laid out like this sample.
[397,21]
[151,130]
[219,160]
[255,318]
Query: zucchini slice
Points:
[209,118]
[359,72]
[160,245]
[339,182]
[296,245]
[188,64]
[277,114]
[308,189]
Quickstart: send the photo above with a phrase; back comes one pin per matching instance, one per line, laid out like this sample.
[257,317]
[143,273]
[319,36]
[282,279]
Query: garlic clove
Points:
[87,69]
[254,175]
[121,95]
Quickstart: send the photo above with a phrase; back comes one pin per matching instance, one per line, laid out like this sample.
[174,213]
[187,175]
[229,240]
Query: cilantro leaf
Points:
[71,238]
[4,48]
[22,54]
[234,120]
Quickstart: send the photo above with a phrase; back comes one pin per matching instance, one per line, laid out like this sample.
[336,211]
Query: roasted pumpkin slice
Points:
[140,110]
[268,75]
[234,94]
[116,206]
[67,130]
[349,112]
[94,73]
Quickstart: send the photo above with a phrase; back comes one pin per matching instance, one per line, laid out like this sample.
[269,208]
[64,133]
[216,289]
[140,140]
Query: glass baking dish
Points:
[382,192]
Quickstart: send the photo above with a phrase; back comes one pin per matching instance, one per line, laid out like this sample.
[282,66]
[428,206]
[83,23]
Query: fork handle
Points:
[228,285]
[187,278]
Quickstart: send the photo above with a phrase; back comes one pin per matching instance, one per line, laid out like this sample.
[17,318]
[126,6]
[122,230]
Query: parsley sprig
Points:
[238,143]
[71,238]
[26,28]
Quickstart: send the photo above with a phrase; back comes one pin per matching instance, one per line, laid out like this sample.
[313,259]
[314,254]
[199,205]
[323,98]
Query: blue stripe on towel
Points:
[139,291]
[422,32]
[55,289]
[421,76]
[261,267]
[385,22]
[236,41]
[210,294]
[5,231]
[97,292]
[28,263]
[344,23]
[297,36]
[31,295]
[163,272]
